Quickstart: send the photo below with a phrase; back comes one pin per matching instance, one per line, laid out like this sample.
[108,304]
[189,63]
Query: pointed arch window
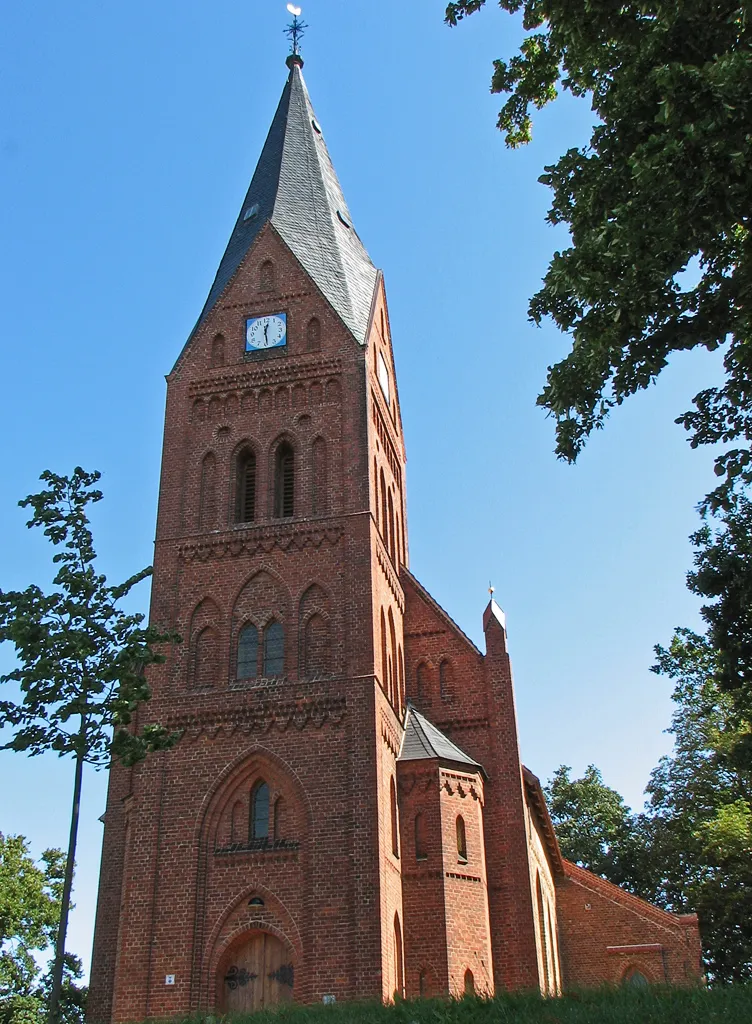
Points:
[421,844]
[248,652]
[246,487]
[259,811]
[393,817]
[469,983]
[284,482]
[461,840]
[274,649]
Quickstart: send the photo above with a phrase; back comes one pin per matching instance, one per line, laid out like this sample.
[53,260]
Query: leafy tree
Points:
[595,828]
[30,898]
[699,813]
[723,573]
[664,184]
[81,661]
[691,849]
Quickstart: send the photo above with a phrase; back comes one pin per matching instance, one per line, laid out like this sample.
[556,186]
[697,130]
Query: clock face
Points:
[265,332]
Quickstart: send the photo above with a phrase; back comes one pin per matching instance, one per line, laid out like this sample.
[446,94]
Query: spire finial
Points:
[295,32]
[491,588]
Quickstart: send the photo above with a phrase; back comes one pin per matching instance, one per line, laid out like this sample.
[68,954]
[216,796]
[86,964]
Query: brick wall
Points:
[606,934]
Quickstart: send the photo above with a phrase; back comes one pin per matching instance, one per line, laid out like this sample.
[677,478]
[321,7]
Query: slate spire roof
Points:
[423,741]
[296,188]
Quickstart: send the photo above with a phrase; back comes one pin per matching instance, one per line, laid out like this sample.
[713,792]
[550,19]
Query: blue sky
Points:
[128,138]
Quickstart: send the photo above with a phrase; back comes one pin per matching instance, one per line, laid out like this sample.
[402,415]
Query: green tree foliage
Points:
[664,184]
[30,897]
[595,828]
[80,660]
[691,849]
[698,824]
[723,573]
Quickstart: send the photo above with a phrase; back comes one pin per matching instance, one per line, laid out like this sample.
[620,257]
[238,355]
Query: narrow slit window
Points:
[259,812]
[248,652]
[461,840]
[274,649]
[285,482]
[393,816]
[246,487]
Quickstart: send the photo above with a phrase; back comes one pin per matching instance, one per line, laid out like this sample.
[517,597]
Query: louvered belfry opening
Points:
[284,496]
[246,498]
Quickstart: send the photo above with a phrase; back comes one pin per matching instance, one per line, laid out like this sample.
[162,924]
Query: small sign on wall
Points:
[169,979]
[328,1000]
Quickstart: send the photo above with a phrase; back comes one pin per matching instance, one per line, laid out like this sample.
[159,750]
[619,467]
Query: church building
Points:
[345,815]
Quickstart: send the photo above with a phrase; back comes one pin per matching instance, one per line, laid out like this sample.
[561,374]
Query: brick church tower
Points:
[345,815]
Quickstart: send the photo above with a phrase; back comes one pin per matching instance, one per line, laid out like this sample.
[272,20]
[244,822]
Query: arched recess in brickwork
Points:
[384,520]
[422,683]
[313,334]
[399,960]
[384,657]
[390,526]
[262,601]
[320,477]
[204,646]
[267,276]
[314,632]
[207,499]
[394,694]
[469,983]
[542,936]
[446,679]
[218,350]
[393,820]
[401,678]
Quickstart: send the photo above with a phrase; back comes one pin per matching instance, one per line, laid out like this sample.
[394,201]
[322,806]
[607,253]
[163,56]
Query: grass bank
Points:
[731,1005]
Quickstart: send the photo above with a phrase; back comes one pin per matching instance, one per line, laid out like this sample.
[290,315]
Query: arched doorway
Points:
[258,972]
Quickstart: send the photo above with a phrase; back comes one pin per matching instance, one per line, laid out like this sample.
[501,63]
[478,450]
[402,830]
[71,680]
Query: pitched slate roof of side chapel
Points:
[295,187]
[423,741]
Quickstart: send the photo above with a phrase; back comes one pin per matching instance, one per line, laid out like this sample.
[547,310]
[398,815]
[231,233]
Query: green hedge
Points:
[731,1005]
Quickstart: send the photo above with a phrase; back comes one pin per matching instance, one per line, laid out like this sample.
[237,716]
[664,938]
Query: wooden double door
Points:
[258,974]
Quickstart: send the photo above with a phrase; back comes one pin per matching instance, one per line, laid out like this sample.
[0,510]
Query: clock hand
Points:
[266,333]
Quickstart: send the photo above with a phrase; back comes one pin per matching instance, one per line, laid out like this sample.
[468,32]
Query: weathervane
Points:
[296,30]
